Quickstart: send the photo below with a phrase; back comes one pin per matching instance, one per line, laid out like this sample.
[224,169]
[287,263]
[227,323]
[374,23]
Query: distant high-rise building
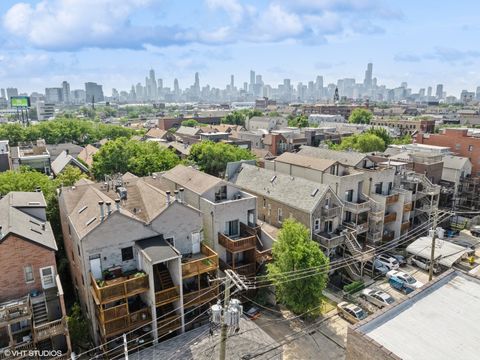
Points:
[151,84]
[232,82]
[78,96]
[139,91]
[11,92]
[160,84]
[421,92]
[66,92]
[477,93]
[367,82]
[176,87]
[439,92]
[2,94]
[319,87]
[93,92]
[245,86]
[196,85]
[132,95]
[53,95]
[251,85]
[429,91]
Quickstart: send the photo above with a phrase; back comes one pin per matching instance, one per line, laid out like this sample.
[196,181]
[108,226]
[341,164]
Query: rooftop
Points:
[64,159]
[439,321]
[306,161]
[157,250]
[293,191]
[192,179]
[351,158]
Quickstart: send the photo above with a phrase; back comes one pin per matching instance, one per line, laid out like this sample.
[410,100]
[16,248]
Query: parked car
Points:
[407,280]
[400,258]
[253,313]
[389,261]
[400,285]
[351,312]
[377,297]
[375,268]
[424,264]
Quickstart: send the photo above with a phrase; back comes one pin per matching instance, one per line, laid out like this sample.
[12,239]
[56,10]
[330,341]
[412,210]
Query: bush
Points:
[353,287]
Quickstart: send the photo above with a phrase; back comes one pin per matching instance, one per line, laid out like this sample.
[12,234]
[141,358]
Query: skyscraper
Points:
[66,92]
[429,91]
[152,85]
[93,92]
[53,95]
[11,92]
[176,87]
[196,85]
[367,82]
[251,86]
[439,92]
[232,82]
[2,94]
[319,87]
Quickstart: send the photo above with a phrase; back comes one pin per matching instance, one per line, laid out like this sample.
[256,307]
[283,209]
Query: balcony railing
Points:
[329,241]
[167,296]
[169,324]
[360,206]
[242,269]
[388,235]
[236,245]
[390,218]
[15,309]
[50,329]
[207,262]
[111,313]
[391,199]
[20,348]
[405,226]
[407,207]
[126,323]
[119,288]
[202,296]
[263,255]
[359,228]
[331,211]
[374,236]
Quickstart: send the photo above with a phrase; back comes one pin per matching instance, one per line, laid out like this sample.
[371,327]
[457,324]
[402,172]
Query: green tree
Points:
[78,328]
[300,121]
[360,116]
[139,158]
[235,118]
[212,158]
[294,251]
[190,123]
[366,142]
[382,133]
[70,175]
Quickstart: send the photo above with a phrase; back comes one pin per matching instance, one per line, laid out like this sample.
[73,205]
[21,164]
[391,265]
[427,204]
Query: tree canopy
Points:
[70,175]
[190,123]
[360,116]
[294,251]
[300,121]
[366,142]
[57,131]
[238,117]
[212,158]
[139,158]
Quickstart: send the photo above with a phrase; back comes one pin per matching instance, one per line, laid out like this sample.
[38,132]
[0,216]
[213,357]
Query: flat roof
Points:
[157,249]
[439,321]
[446,253]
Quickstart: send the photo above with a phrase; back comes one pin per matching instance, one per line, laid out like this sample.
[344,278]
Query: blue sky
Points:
[116,42]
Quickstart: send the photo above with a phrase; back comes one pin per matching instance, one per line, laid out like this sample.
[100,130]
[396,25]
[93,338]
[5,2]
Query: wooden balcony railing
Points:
[388,235]
[169,324]
[125,323]
[363,205]
[390,218]
[19,347]
[50,329]
[240,244]
[243,269]
[405,226]
[167,296]
[202,296]
[407,207]
[329,241]
[201,265]
[114,312]
[263,255]
[123,287]
[14,310]
[393,198]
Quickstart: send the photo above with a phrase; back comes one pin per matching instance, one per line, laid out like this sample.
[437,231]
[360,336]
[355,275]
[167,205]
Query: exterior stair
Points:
[163,276]
[40,315]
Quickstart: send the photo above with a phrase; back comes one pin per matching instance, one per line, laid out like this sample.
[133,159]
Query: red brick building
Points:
[459,142]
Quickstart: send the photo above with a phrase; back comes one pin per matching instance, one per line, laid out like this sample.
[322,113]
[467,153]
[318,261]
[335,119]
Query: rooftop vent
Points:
[82,209]
[90,221]
[314,192]
[273,178]
[33,203]
[122,192]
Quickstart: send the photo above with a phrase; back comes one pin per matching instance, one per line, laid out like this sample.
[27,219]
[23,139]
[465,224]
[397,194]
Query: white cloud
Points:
[232,7]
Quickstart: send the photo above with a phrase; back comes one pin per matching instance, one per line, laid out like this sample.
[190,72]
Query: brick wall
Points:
[15,254]
[361,347]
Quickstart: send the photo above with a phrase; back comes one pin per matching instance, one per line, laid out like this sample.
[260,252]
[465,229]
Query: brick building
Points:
[459,141]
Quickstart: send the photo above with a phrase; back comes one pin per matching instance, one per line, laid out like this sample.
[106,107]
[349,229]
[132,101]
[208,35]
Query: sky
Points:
[116,42]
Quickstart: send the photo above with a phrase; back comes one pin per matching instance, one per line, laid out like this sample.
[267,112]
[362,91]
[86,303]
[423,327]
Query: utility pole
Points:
[125,346]
[223,335]
[432,253]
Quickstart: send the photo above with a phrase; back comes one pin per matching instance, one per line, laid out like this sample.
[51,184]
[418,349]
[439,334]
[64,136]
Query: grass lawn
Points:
[327,306]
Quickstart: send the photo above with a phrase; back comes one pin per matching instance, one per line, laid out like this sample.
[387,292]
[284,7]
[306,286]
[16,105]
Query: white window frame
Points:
[316,225]
[280,215]
[31,272]
[50,283]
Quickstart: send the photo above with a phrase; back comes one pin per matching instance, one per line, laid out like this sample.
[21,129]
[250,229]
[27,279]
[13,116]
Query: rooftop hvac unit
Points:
[122,192]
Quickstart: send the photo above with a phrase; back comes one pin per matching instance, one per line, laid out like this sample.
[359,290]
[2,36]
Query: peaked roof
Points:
[65,159]
[454,162]
[351,158]
[86,155]
[156,133]
[57,149]
[187,130]
[293,191]
[306,161]
[15,221]
[192,179]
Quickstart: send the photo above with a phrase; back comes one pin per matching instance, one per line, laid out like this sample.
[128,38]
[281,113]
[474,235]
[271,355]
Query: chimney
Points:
[117,203]
[102,212]
[176,196]
[168,197]
[67,151]
[182,194]
[109,209]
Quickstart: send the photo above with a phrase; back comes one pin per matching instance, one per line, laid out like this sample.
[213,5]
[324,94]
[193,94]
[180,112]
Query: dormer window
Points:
[221,193]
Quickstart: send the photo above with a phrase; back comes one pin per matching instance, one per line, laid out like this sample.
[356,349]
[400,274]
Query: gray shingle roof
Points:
[289,190]
[351,158]
[15,221]
[65,159]
[192,179]
[454,162]
[306,161]
[186,130]
[57,149]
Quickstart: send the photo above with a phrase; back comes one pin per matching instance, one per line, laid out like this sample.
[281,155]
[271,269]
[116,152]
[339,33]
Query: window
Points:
[470,148]
[28,270]
[78,249]
[280,214]
[232,228]
[269,209]
[264,202]
[221,194]
[349,195]
[316,225]
[127,253]
[328,226]
[457,146]
[378,188]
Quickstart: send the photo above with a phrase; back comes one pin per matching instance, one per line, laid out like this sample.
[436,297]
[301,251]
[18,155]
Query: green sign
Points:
[20,101]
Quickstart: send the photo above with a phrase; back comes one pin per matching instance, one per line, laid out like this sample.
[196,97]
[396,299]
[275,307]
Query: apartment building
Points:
[137,258]
[5,161]
[34,155]
[229,217]
[405,126]
[32,309]
[281,196]
[460,142]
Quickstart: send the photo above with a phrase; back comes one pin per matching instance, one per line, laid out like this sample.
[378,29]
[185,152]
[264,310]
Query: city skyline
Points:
[40,46]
